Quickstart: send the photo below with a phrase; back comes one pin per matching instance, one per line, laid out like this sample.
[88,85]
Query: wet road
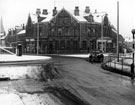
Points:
[87,81]
[97,86]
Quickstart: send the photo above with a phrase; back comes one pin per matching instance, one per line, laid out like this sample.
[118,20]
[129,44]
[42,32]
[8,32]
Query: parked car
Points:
[96,56]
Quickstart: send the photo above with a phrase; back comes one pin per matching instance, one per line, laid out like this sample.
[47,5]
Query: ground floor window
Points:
[68,45]
[50,45]
[75,45]
[62,44]
[30,47]
[56,44]
[84,45]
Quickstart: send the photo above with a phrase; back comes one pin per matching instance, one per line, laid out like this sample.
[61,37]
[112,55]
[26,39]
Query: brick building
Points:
[68,32]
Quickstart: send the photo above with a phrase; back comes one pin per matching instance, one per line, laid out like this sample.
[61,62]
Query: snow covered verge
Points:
[122,67]
[38,72]
[36,85]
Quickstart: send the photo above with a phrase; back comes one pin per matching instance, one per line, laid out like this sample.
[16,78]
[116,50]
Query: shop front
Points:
[104,44]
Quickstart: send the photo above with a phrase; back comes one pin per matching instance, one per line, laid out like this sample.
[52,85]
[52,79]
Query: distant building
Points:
[67,32]
[16,36]
[2,33]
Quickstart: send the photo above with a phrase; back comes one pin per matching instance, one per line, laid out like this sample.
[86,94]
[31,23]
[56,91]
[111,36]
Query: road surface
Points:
[77,82]
[97,86]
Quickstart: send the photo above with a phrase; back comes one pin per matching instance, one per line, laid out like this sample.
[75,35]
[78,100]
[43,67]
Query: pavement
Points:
[15,58]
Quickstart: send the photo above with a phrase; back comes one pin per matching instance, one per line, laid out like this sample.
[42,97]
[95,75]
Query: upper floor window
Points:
[72,31]
[88,32]
[67,20]
[52,32]
[60,21]
[59,31]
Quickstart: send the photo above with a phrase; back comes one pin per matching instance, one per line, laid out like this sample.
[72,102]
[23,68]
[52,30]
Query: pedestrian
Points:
[132,71]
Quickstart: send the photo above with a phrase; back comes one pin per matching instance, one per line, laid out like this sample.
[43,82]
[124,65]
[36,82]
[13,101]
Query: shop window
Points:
[51,45]
[84,45]
[57,45]
[74,45]
[62,44]
[68,44]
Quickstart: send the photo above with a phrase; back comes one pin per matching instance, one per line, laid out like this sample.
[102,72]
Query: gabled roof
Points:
[3,37]
[48,17]
[96,16]
[21,32]
[79,18]
[34,17]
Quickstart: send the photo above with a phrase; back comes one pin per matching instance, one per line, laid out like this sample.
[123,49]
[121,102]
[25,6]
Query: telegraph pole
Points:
[118,31]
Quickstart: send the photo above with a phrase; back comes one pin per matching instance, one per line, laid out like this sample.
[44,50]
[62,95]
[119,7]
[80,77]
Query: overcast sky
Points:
[15,12]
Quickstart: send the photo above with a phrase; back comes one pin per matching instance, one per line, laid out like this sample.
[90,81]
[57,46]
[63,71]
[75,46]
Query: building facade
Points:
[67,32]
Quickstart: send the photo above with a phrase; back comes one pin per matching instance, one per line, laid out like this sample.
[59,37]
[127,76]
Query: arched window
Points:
[52,32]
[88,32]
[59,31]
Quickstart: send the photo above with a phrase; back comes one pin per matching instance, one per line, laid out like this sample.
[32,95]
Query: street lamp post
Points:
[118,31]
[132,71]
[102,29]
[38,12]
[102,32]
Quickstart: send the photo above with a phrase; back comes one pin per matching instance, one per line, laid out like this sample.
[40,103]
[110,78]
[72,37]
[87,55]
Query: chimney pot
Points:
[54,11]
[87,9]
[45,12]
[76,11]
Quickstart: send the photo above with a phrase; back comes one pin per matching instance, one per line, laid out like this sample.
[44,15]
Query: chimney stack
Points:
[87,9]
[45,12]
[54,11]
[76,11]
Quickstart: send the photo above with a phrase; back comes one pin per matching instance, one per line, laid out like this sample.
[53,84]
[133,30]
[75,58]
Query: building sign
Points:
[109,41]
[32,40]
[27,40]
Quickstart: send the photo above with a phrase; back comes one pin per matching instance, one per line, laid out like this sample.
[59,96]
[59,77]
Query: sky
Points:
[15,12]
